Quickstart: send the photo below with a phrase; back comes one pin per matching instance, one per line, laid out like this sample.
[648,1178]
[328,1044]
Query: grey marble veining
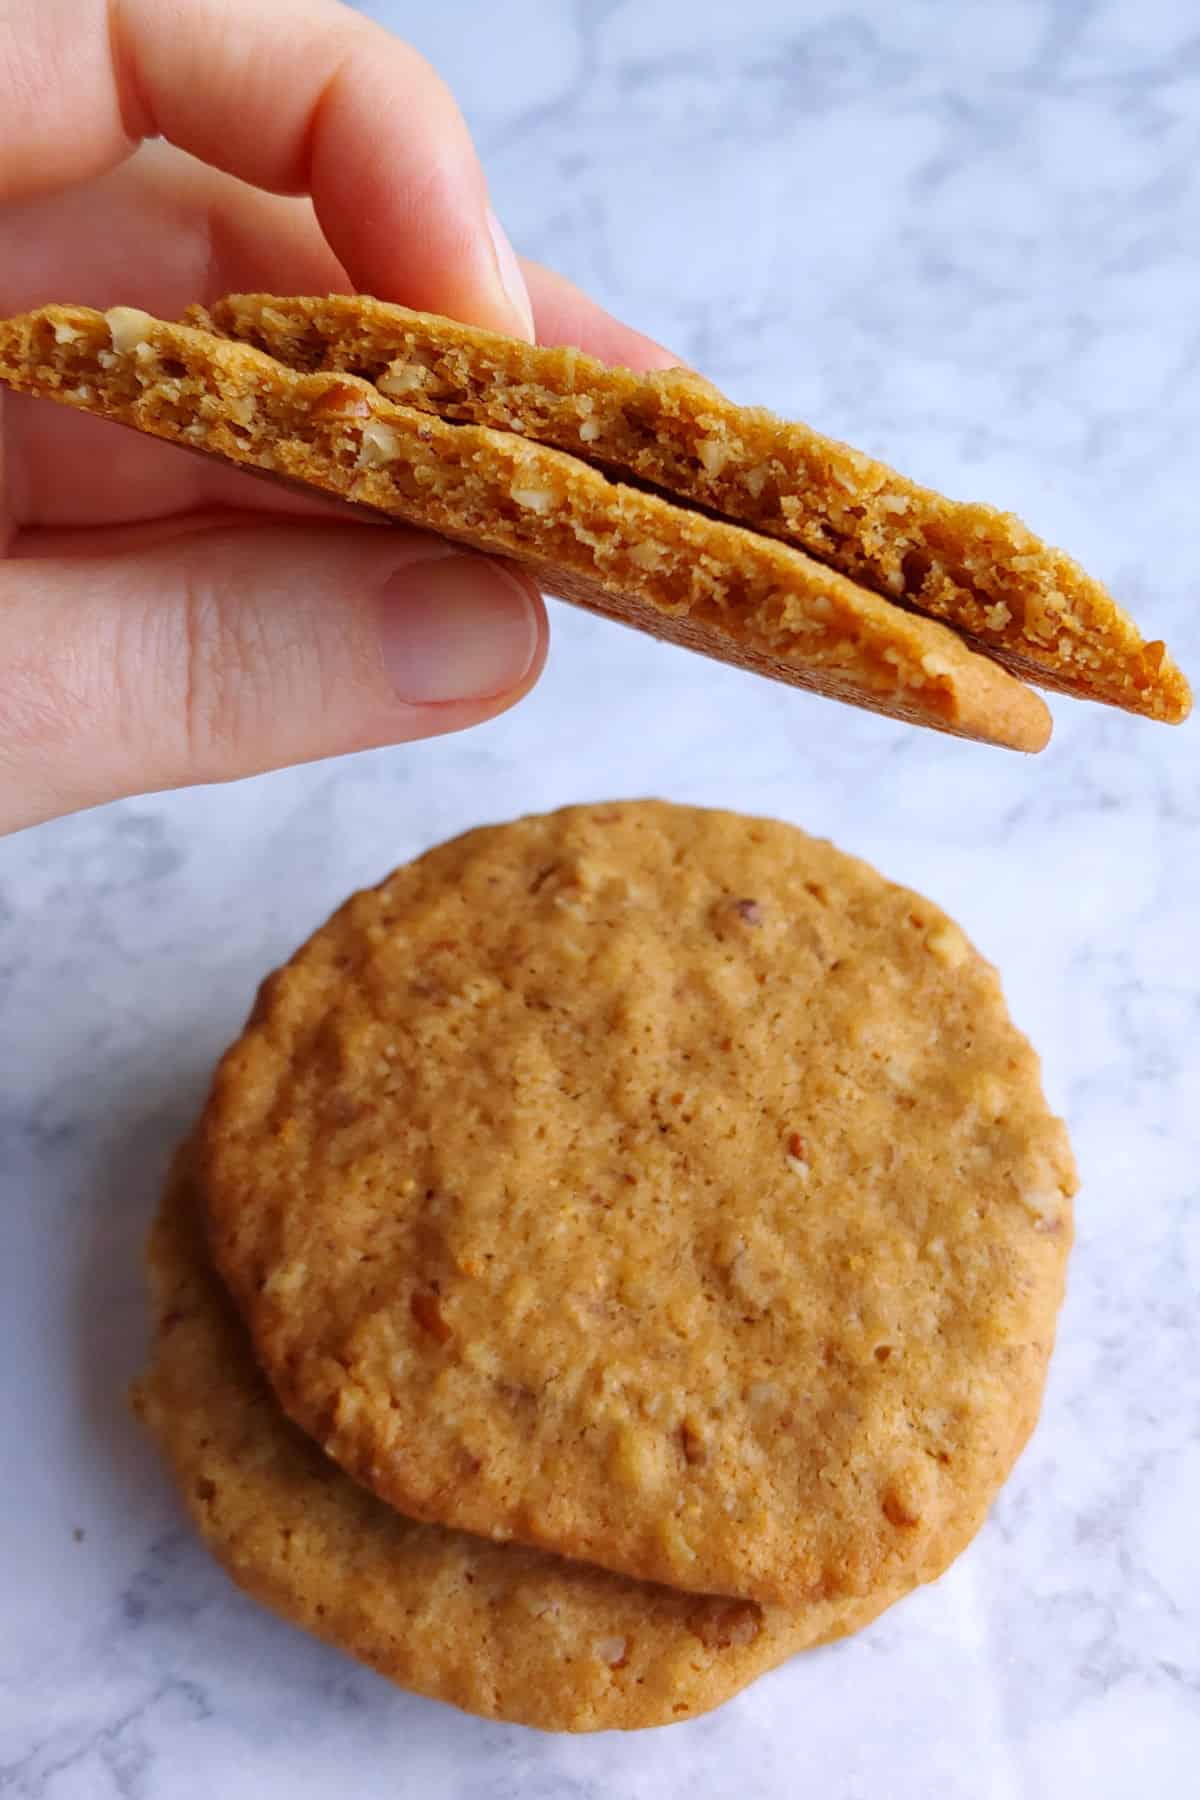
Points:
[966,237]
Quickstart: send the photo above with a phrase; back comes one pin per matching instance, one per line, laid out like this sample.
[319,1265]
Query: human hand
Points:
[165,620]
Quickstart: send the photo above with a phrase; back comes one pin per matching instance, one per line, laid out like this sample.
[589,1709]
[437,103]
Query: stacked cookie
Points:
[622,1249]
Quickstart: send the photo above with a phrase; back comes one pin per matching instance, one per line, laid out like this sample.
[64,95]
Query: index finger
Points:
[295,96]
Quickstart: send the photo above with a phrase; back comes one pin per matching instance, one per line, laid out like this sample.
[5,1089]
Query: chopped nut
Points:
[427,1311]
[66,334]
[347,1406]
[691,1438]
[721,1626]
[145,354]
[84,392]
[990,1096]
[341,401]
[935,664]
[797,1156]
[532,498]
[673,1541]
[612,1650]
[755,480]
[589,431]
[106,359]
[128,327]
[996,617]
[635,1460]
[380,444]
[948,944]
[646,556]
[286,1278]
[1044,1209]
[899,1511]
[400,378]
[713,455]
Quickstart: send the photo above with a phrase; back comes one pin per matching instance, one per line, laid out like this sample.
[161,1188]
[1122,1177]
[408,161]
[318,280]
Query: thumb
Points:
[231,648]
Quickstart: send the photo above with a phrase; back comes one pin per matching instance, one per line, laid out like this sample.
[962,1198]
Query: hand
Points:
[164,620]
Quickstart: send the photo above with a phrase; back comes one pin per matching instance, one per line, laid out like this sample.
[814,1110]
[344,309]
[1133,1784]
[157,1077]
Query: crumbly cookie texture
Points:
[978,569]
[632,555]
[655,1186]
[508,1633]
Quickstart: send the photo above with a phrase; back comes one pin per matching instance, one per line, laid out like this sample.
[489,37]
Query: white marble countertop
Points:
[965,237]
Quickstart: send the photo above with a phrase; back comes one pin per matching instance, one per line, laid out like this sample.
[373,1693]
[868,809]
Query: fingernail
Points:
[511,278]
[457,627]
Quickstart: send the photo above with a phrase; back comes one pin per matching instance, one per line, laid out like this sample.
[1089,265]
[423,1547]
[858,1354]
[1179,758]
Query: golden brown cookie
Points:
[655,1186]
[629,554]
[501,1631]
[978,569]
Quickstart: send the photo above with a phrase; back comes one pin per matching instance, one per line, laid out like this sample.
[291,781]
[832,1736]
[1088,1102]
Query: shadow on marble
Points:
[110,1304]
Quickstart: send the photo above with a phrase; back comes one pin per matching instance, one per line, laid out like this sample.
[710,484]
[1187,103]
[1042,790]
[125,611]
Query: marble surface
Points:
[968,238]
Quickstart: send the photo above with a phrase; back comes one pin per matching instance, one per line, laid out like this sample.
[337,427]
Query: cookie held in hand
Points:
[625,551]
[979,570]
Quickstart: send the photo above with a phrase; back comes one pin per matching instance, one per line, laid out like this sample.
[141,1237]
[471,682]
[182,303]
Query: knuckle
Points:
[221,667]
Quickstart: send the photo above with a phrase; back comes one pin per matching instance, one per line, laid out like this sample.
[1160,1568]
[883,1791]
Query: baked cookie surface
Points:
[497,1630]
[655,1186]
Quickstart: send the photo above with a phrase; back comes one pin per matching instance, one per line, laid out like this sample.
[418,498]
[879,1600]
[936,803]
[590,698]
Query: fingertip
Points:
[566,315]
[456,628]
[512,281]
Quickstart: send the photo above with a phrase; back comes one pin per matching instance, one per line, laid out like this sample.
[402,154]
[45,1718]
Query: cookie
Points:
[504,1632]
[979,570]
[657,1187]
[609,546]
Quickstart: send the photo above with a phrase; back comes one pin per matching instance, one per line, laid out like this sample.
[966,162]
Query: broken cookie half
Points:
[491,442]
[979,570]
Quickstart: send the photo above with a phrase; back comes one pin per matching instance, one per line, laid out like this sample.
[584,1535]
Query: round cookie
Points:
[655,1186]
[501,1631]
